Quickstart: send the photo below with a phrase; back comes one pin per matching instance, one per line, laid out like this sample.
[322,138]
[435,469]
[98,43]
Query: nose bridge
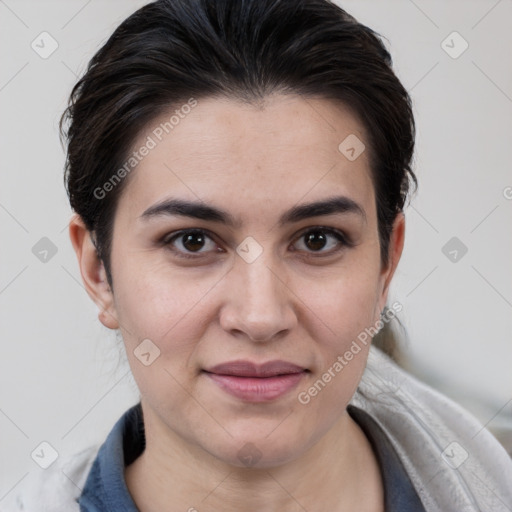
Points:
[259,304]
[261,284]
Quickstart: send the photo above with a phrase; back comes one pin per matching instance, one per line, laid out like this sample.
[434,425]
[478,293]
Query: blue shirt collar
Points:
[105,488]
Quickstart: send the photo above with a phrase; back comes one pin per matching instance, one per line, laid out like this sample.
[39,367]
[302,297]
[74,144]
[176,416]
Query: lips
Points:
[253,382]
[248,369]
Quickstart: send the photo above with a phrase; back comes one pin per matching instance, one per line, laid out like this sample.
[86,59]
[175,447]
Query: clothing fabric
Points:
[399,492]
[434,456]
[105,488]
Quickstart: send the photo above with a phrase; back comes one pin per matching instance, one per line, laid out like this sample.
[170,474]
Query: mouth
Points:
[253,382]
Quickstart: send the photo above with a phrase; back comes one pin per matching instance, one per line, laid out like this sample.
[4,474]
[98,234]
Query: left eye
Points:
[318,239]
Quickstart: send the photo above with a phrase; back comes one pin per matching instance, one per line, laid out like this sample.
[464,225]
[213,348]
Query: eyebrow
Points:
[202,211]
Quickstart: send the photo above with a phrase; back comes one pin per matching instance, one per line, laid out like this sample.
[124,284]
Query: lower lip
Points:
[257,389]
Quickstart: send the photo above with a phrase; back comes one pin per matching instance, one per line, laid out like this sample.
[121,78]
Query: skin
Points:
[300,303]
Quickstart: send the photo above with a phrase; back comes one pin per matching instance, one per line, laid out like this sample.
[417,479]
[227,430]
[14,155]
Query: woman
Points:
[238,172]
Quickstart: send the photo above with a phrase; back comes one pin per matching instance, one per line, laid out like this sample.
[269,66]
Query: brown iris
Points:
[193,241]
[315,240]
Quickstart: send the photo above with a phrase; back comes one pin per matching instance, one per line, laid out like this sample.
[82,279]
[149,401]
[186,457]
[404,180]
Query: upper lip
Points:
[240,368]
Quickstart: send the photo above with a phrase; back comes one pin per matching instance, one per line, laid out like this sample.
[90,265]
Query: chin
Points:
[260,452]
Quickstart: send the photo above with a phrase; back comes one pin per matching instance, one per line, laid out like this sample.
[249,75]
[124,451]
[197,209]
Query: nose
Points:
[259,302]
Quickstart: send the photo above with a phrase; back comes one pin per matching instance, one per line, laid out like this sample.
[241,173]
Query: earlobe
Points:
[93,272]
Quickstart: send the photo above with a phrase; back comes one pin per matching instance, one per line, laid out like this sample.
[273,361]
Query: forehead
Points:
[255,158]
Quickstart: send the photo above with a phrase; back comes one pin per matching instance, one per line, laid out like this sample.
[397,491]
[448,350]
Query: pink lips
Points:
[256,383]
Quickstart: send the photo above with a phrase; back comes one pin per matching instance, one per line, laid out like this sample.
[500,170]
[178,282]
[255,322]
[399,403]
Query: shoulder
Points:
[55,489]
[450,457]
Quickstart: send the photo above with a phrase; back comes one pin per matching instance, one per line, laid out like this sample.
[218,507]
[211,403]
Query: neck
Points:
[339,473]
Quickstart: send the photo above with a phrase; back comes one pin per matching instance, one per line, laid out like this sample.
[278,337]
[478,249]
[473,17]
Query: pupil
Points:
[315,241]
[193,241]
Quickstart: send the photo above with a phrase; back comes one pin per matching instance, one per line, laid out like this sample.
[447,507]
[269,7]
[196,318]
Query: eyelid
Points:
[327,229]
[168,237]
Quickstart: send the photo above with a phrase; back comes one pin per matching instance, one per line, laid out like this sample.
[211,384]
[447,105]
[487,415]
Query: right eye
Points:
[188,243]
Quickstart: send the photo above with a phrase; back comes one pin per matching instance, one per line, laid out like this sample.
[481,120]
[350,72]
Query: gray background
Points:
[63,378]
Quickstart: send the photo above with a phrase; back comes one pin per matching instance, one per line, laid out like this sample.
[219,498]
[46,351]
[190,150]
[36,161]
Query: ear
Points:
[93,272]
[396,245]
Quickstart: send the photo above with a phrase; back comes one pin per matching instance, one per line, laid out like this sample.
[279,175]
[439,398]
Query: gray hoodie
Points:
[454,463]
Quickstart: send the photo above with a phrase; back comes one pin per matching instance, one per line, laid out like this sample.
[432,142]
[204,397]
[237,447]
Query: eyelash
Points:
[340,236]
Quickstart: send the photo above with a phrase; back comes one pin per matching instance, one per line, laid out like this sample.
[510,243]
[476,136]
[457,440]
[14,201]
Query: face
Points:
[220,255]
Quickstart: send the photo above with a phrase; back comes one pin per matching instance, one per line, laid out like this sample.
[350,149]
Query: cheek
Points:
[341,317]
[160,303]
[170,310]
[342,313]
[344,303]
